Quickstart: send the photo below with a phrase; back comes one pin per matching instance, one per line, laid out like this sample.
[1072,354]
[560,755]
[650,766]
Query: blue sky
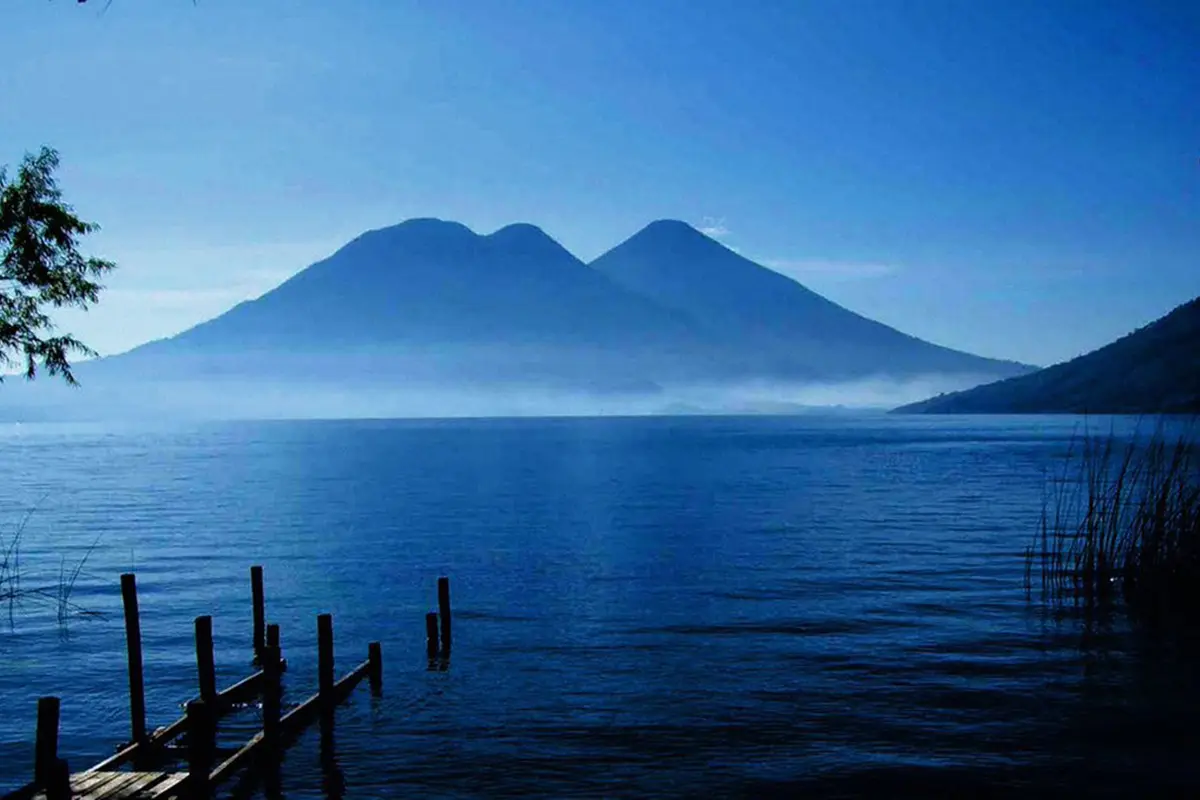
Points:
[1019,179]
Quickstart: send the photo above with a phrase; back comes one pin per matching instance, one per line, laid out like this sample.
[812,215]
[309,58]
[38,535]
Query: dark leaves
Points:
[41,267]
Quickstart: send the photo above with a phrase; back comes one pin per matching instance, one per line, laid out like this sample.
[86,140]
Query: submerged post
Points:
[273,635]
[201,741]
[431,634]
[325,659]
[45,754]
[260,612]
[205,665]
[133,643]
[444,612]
[271,696]
[375,659]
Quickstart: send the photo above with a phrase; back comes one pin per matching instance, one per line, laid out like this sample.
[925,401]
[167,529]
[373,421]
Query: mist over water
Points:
[445,382]
[255,400]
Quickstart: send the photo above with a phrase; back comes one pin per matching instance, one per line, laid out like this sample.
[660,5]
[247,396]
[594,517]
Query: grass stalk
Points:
[1121,522]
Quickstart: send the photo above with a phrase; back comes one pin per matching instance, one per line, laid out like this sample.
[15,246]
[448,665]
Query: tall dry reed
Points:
[1121,522]
[16,588]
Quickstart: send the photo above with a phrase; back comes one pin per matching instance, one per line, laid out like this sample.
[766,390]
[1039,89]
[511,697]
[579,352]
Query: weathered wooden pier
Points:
[150,764]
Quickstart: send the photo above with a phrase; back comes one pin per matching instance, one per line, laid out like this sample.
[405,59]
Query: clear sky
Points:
[1018,178]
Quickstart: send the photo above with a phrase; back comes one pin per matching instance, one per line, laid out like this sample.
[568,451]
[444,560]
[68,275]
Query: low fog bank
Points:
[234,398]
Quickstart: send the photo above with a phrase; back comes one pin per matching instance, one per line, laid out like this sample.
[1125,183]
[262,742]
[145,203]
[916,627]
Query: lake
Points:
[658,606]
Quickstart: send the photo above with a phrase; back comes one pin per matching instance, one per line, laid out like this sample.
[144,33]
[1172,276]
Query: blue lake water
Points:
[662,607]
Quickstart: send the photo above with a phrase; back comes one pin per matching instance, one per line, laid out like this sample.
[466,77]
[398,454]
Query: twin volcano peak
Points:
[448,243]
[663,230]
[448,229]
[440,240]
[668,302]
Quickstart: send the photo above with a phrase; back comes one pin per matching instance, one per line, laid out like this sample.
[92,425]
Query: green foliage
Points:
[41,269]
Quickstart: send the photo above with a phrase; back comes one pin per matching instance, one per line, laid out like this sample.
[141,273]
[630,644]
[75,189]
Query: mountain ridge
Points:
[679,267]
[1151,370]
[429,305]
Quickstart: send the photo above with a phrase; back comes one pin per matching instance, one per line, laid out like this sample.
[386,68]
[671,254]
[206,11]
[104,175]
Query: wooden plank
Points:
[346,685]
[144,782]
[246,687]
[170,787]
[114,788]
[230,765]
[122,756]
[289,724]
[103,782]
[83,782]
[160,737]
[100,787]
[297,717]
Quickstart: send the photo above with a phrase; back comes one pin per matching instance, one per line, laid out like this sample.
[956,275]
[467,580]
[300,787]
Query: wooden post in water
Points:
[444,612]
[260,611]
[133,643]
[59,787]
[271,697]
[201,741]
[375,659]
[206,667]
[273,641]
[325,660]
[431,634]
[45,754]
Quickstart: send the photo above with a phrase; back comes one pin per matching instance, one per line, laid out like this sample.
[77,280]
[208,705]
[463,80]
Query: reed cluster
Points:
[1121,523]
[17,588]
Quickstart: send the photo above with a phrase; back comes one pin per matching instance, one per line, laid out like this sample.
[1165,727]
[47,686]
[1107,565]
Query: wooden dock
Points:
[119,785]
[153,763]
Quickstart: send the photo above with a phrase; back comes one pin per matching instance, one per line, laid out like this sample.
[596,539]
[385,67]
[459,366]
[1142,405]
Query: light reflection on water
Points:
[655,606]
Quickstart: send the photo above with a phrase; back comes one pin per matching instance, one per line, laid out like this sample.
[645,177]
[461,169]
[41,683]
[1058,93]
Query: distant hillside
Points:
[428,317]
[760,311]
[427,281]
[1155,369]
[432,301]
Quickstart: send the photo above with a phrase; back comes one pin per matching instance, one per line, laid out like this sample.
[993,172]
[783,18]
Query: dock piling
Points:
[206,669]
[333,780]
[201,741]
[59,786]
[155,759]
[375,659]
[133,643]
[325,660]
[271,697]
[45,754]
[260,612]
[431,634]
[444,612]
